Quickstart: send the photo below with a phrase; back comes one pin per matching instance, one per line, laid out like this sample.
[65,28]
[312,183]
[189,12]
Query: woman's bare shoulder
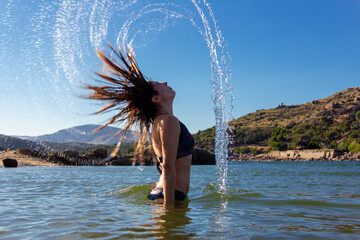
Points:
[167,119]
[167,122]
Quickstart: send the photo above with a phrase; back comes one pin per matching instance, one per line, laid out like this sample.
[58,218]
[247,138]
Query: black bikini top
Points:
[186,145]
[186,142]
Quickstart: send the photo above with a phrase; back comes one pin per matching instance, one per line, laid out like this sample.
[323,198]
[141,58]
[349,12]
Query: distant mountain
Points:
[9,142]
[81,134]
[15,143]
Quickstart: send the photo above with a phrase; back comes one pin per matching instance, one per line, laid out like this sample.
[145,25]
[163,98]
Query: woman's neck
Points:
[164,110]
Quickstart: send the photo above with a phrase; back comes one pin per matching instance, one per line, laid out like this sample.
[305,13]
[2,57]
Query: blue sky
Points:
[283,51]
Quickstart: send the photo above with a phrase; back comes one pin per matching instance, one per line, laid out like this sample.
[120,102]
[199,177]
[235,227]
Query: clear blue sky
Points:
[283,51]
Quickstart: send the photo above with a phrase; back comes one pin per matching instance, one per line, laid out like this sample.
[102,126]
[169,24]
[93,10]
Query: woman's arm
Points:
[169,130]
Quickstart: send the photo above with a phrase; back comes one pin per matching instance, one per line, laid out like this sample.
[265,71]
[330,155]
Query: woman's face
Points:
[163,90]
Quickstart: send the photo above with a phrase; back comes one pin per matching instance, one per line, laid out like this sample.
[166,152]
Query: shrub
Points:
[244,150]
[240,150]
[277,141]
[333,144]
[354,146]
[357,115]
[353,134]
[313,145]
[344,146]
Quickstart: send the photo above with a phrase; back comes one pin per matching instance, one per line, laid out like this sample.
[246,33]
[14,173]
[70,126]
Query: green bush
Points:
[357,115]
[277,140]
[333,144]
[353,134]
[344,146]
[354,146]
[244,150]
[240,150]
[313,145]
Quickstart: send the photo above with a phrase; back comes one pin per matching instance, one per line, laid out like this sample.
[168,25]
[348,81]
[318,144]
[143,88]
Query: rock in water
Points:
[8,162]
[202,157]
[99,153]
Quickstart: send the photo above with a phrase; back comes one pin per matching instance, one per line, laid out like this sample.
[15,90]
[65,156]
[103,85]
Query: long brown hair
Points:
[125,90]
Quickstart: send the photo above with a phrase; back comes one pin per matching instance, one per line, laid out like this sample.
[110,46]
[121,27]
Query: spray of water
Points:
[61,37]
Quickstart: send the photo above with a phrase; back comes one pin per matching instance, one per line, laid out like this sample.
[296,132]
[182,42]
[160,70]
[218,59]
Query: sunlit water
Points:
[266,200]
[53,43]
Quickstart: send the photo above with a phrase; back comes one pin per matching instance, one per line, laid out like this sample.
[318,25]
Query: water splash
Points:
[60,38]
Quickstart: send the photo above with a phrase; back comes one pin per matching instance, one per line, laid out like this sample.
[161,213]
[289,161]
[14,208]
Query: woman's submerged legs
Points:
[156,193]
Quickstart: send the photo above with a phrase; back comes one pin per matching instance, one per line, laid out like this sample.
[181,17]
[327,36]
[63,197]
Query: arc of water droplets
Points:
[123,36]
[221,137]
[219,77]
[103,23]
[220,73]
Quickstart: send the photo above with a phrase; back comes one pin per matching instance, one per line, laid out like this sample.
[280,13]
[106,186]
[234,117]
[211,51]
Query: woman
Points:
[142,104]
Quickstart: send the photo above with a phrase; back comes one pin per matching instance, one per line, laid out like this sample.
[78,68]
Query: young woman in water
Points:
[147,104]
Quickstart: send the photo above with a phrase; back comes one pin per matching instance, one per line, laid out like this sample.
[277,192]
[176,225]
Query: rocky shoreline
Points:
[98,157]
[268,157]
[23,160]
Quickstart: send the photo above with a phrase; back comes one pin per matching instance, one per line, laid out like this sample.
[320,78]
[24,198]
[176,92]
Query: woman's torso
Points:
[182,164]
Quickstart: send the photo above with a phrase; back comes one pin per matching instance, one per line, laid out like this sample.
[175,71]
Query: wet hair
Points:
[126,91]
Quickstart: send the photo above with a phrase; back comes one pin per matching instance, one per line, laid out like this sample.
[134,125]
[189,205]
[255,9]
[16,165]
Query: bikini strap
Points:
[161,113]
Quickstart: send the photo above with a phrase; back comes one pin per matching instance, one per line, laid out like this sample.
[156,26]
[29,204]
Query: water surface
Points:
[266,200]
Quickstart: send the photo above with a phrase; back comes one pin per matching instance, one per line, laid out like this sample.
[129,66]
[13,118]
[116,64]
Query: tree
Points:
[357,115]
[277,140]
[313,145]
[354,146]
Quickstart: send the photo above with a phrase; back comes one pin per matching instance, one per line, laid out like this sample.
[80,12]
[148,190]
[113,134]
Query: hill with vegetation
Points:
[331,122]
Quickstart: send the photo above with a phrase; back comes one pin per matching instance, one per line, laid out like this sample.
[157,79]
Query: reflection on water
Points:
[170,222]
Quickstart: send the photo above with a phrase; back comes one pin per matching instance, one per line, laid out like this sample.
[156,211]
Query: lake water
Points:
[266,200]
